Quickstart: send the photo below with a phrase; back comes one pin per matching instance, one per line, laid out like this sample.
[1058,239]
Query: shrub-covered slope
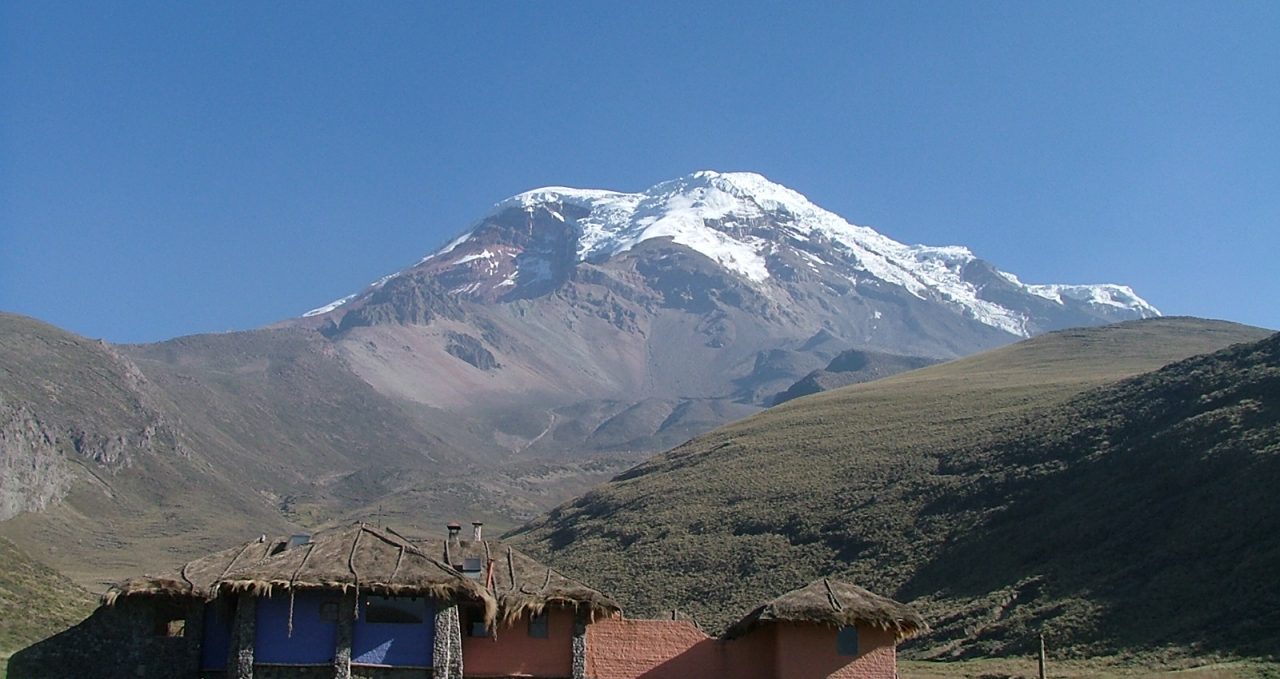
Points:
[1026,488]
[35,601]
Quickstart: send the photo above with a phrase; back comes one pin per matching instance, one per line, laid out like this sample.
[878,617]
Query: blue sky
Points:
[174,168]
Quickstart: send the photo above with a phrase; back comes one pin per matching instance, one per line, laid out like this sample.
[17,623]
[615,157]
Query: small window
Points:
[473,621]
[329,611]
[847,641]
[170,620]
[395,611]
[538,626]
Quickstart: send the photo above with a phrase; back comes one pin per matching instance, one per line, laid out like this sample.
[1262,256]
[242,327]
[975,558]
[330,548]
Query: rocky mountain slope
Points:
[1026,488]
[635,319]
[563,337]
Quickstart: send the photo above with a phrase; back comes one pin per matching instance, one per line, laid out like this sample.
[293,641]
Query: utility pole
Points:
[1042,656]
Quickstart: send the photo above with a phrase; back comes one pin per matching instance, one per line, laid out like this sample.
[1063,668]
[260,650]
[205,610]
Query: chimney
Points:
[476,528]
[452,547]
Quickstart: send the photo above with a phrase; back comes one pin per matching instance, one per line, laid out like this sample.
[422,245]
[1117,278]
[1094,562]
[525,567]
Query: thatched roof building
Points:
[519,583]
[197,578]
[834,603]
[359,557]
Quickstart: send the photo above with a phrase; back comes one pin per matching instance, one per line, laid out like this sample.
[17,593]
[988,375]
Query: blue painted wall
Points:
[313,638]
[394,643]
[215,640]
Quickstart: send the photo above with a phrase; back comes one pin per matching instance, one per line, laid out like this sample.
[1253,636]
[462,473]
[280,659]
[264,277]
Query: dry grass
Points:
[1025,668]
[924,486]
[35,601]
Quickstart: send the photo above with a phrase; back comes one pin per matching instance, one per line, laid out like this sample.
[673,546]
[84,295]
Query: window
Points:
[473,622]
[394,630]
[169,620]
[538,626]
[847,641]
[396,611]
[329,611]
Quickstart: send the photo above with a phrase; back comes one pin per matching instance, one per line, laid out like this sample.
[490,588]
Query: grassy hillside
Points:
[116,479]
[916,485]
[35,601]
[115,460]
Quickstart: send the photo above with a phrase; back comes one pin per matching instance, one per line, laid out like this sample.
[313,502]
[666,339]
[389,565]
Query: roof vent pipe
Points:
[477,527]
[452,547]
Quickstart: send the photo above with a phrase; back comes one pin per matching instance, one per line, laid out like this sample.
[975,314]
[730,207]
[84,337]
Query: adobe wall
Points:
[754,656]
[676,649]
[808,650]
[514,653]
[653,649]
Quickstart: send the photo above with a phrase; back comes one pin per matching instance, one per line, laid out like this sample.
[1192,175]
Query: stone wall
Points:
[127,640]
[447,652]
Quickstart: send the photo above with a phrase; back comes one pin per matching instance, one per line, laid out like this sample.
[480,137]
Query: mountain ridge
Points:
[724,216]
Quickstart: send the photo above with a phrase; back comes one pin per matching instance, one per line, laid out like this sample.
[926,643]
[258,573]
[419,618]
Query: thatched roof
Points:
[359,557]
[835,603]
[197,578]
[520,583]
[362,558]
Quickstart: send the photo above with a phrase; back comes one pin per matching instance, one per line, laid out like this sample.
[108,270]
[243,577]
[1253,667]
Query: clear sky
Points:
[174,168]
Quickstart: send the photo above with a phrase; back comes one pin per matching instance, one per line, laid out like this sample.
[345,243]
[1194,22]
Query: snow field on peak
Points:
[708,211]
[1105,294]
[330,306]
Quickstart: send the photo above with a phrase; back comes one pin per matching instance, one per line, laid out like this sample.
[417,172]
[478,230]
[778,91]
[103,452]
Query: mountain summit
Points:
[578,321]
[766,234]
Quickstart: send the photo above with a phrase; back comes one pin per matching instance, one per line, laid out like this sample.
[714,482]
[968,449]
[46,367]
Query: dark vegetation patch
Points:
[1029,489]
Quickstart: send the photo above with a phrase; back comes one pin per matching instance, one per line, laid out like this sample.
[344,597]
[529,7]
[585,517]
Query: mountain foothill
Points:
[830,400]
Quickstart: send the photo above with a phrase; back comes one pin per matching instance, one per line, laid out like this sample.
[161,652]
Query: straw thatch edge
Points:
[157,587]
[886,614]
[515,605]
[461,590]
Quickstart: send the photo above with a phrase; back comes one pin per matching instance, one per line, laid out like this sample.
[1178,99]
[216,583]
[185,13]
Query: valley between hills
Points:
[749,394]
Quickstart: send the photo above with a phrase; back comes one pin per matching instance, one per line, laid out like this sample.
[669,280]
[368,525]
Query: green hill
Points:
[35,601]
[1020,490]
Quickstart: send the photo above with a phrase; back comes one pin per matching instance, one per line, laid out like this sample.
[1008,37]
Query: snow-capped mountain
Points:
[588,320]
[755,229]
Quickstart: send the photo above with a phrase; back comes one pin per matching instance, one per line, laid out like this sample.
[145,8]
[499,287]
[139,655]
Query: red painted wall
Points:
[807,651]
[675,649]
[653,649]
[514,653]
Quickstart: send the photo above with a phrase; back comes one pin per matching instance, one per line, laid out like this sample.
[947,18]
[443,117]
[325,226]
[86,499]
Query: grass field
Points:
[1025,668]
[35,602]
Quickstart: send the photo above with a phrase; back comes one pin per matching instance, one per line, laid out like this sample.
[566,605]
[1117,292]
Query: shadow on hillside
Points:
[1153,520]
